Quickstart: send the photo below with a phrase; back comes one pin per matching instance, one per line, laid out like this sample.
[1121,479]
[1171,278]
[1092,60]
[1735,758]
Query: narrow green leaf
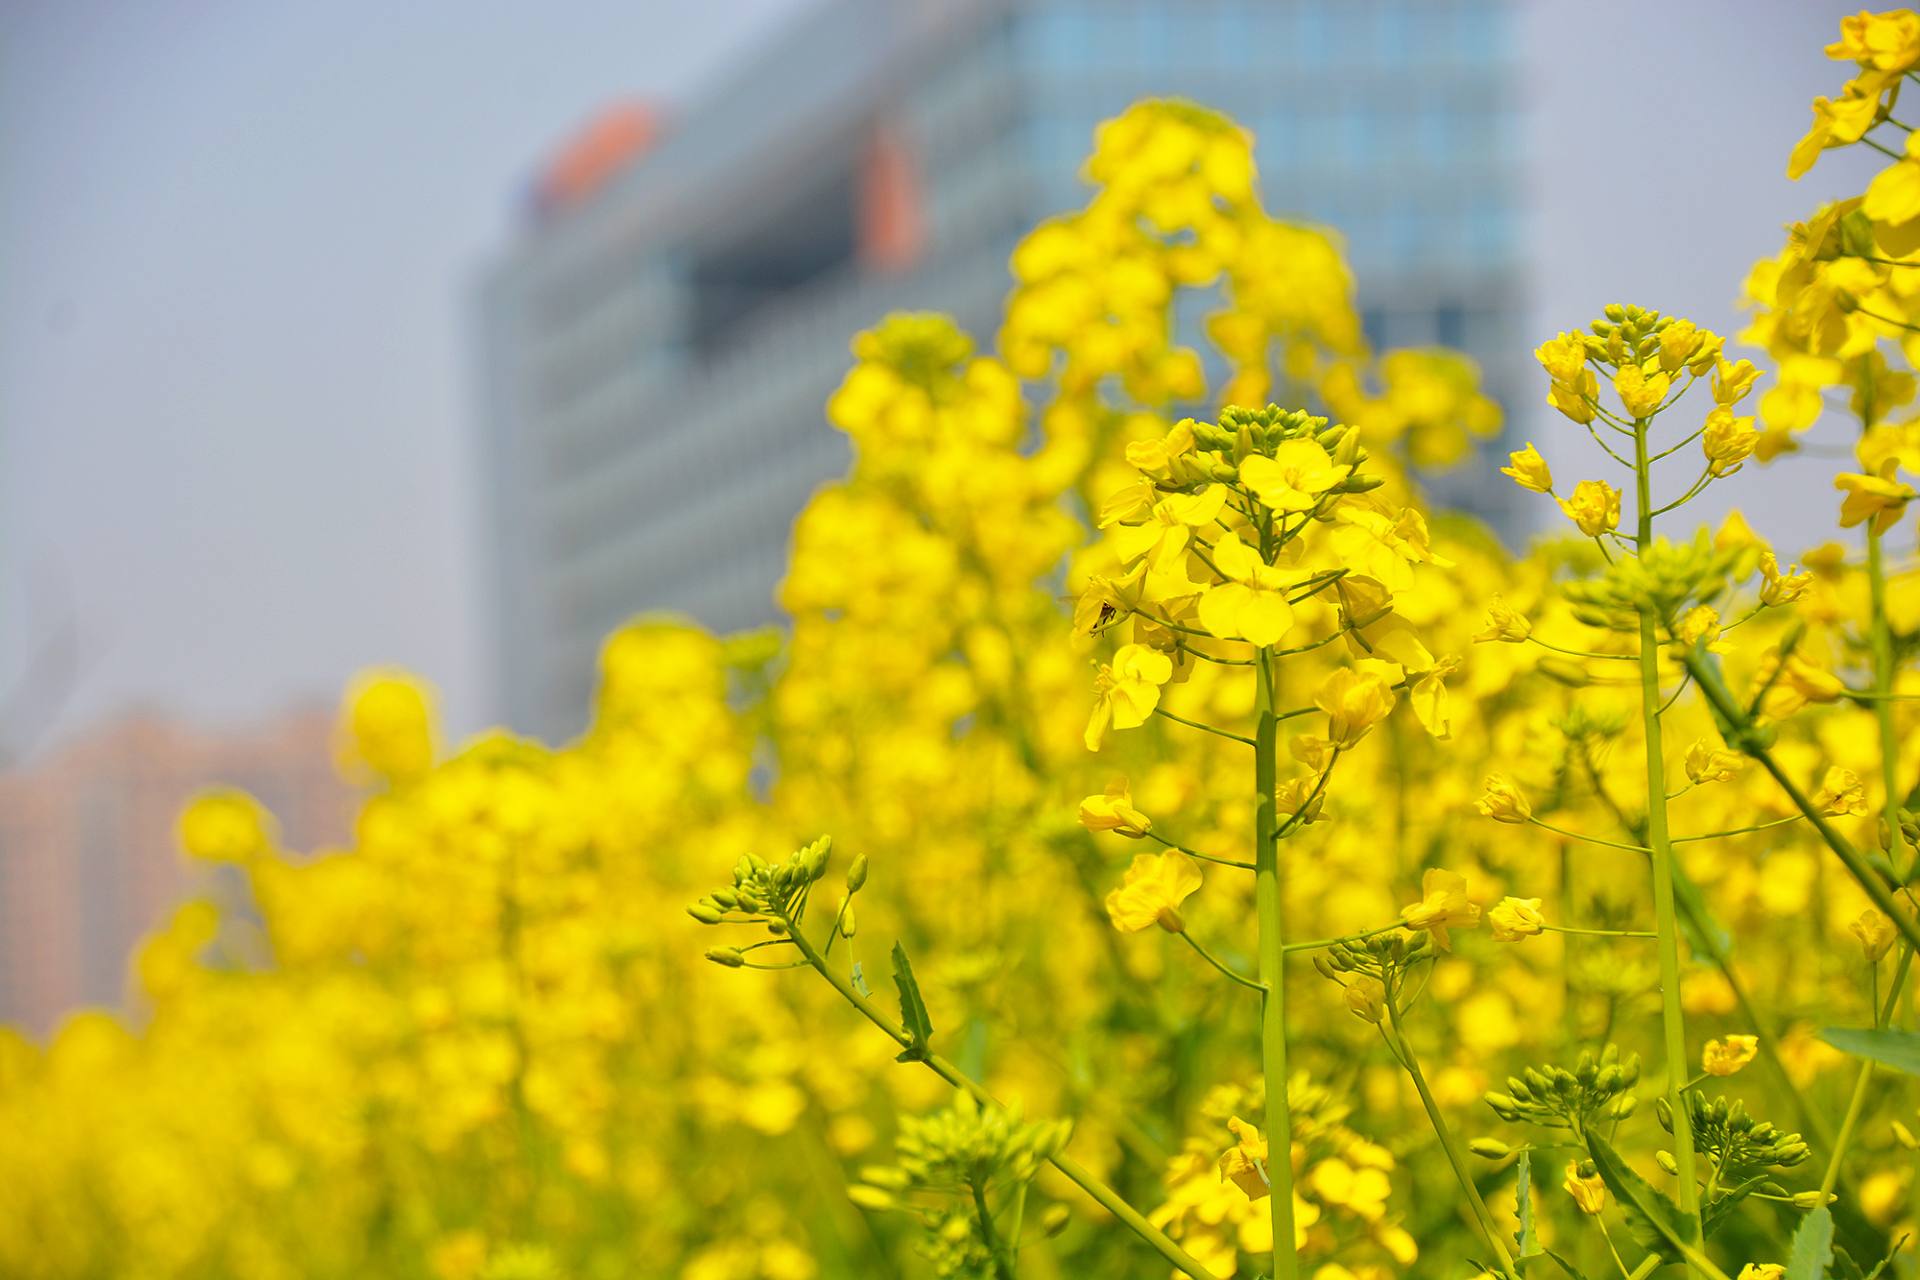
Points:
[1844,1267]
[913,1009]
[1897,1049]
[1812,1247]
[1887,1261]
[1566,1266]
[1715,1215]
[1523,1201]
[1657,1221]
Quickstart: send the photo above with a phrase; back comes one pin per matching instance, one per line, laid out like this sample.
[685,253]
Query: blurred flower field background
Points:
[1226,848]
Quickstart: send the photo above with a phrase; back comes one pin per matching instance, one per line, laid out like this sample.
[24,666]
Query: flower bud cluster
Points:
[1557,1098]
[1668,577]
[763,889]
[1739,1144]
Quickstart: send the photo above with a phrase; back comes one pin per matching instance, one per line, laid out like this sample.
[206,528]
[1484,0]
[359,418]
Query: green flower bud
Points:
[705,912]
[857,873]
[729,957]
[1490,1148]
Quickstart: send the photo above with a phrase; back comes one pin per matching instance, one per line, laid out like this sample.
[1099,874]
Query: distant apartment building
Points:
[659,341]
[88,857]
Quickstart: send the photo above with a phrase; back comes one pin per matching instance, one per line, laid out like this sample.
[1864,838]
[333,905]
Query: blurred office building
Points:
[88,855]
[659,341]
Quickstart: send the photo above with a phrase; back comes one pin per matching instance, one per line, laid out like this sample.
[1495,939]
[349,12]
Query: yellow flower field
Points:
[1227,864]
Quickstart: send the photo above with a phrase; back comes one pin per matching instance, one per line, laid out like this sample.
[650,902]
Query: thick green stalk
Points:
[1269,887]
[1103,1195]
[1673,1025]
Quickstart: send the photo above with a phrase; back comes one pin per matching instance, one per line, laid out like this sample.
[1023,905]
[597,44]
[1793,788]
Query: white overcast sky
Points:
[238,244]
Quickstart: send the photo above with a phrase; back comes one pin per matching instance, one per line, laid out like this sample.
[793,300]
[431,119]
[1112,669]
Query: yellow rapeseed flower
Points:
[1252,604]
[1594,506]
[1707,763]
[1727,1055]
[1295,478]
[1727,441]
[1641,392]
[1366,997]
[1443,905]
[1841,792]
[1113,811]
[1778,588]
[1880,499]
[1245,1163]
[1155,886]
[1589,1193]
[1126,692]
[1503,800]
[1516,918]
[1354,700]
[1563,356]
[1529,470]
[1504,623]
[1875,932]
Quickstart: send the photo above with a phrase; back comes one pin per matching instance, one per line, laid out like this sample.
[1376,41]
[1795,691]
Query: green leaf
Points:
[1523,1200]
[1844,1267]
[1657,1221]
[1887,1261]
[1812,1247]
[1715,1215]
[1565,1266]
[1897,1049]
[913,1010]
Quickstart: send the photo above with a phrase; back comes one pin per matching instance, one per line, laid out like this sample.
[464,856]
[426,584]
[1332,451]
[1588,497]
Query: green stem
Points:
[1738,831]
[1195,853]
[1882,1014]
[1586,839]
[1672,1021]
[1002,1268]
[1480,1211]
[1215,961]
[1269,889]
[1204,728]
[1857,866]
[1103,1195]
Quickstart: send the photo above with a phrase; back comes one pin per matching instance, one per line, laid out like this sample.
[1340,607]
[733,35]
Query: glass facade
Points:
[656,361]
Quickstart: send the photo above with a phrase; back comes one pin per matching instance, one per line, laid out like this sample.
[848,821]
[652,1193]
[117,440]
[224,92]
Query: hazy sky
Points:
[240,243]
